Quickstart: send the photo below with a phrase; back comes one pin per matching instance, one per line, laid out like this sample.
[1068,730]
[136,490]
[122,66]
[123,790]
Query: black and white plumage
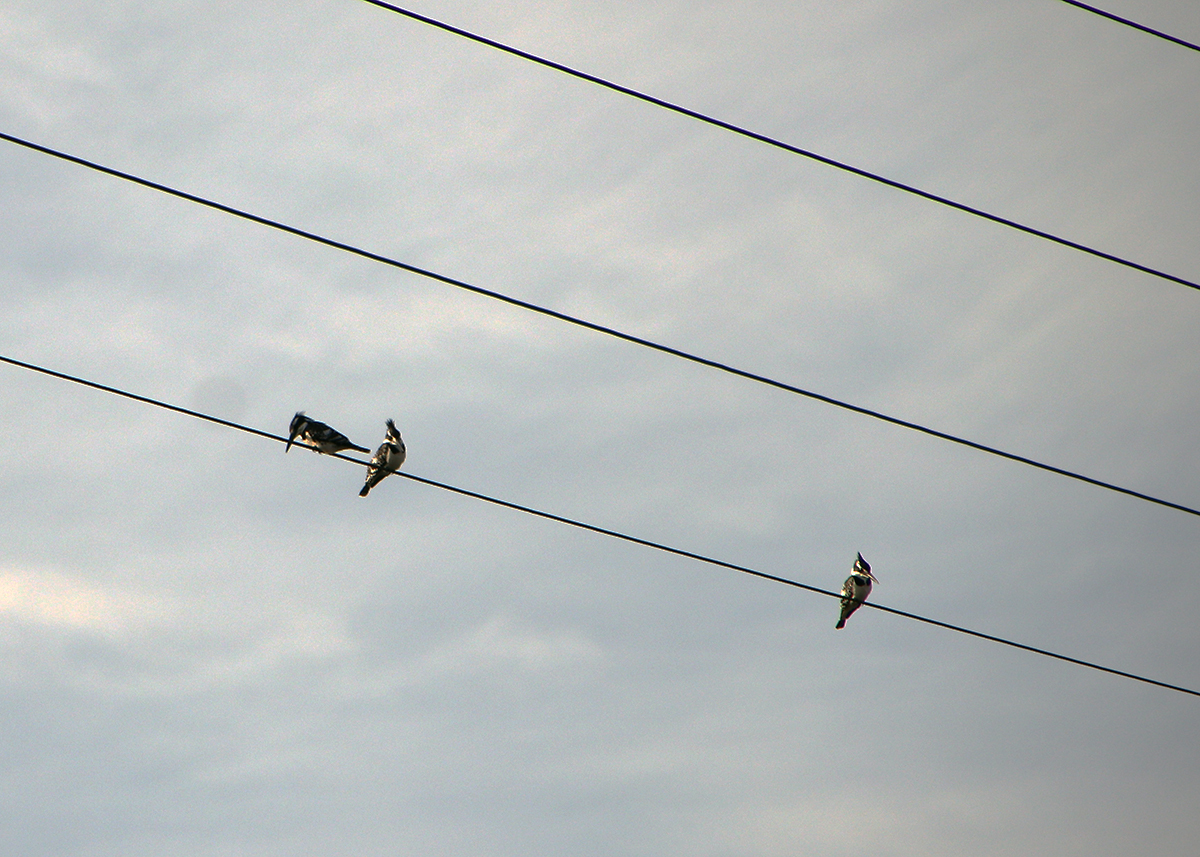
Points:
[317,436]
[856,589]
[387,459]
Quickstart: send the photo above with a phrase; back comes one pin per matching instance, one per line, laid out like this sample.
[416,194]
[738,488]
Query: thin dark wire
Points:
[1134,24]
[779,144]
[598,328]
[549,516]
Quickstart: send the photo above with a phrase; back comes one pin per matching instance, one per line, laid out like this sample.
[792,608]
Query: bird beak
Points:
[294,429]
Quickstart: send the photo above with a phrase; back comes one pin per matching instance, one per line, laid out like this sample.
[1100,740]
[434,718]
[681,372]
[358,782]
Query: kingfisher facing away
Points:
[317,436]
[856,589]
[387,460]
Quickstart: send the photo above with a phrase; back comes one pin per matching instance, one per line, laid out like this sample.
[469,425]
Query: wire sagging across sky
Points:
[616,534]
[780,144]
[599,328]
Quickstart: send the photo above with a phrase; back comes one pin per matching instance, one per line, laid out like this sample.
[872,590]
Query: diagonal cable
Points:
[599,328]
[1128,23]
[604,531]
[779,144]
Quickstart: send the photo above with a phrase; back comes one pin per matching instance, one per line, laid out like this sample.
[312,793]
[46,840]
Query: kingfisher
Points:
[856,589]
[318,437]
[387,460]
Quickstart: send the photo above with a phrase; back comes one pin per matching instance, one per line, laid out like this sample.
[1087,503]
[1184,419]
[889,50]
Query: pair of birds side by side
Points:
[319,437]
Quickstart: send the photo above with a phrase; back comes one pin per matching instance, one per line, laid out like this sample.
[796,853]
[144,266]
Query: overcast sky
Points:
[211,647]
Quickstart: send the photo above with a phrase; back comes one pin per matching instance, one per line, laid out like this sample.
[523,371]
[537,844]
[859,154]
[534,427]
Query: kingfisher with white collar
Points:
[856,589]
[318,437]
[387,460]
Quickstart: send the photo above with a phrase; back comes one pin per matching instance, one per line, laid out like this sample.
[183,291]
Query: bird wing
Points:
[322,433]
[375,470]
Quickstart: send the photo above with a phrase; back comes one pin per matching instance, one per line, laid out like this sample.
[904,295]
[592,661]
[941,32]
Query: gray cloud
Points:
[209,646]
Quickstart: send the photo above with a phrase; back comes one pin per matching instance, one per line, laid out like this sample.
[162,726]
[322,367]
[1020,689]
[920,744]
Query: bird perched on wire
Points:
[856,589]
[387,460]
[317,436]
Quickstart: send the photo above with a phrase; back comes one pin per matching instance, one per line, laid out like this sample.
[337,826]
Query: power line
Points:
[599,328]
[1134,24]
[779,144]
[616,534]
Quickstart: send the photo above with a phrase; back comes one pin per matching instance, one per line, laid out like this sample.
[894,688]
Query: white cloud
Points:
[503,644]
[61,601]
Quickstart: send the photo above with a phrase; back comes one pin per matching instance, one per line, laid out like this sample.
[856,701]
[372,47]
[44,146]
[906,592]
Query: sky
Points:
[211,647]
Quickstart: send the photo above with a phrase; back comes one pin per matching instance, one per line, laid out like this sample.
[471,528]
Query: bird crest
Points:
[861,566]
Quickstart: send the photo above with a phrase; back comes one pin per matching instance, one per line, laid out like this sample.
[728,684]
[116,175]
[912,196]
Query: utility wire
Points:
[779,144]
[599,328]
[1134,24]
[616,534]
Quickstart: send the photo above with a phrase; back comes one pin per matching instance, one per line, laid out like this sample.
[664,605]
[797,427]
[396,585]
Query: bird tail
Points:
[365,490]
[841,624]
[359,448]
